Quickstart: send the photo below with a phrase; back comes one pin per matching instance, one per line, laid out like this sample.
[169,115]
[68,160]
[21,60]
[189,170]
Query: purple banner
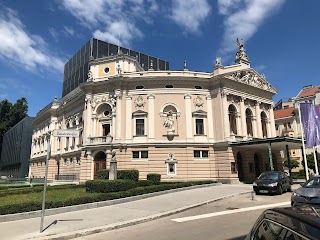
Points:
[310,117]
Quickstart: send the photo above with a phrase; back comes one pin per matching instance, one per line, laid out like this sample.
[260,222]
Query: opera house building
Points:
[184,125]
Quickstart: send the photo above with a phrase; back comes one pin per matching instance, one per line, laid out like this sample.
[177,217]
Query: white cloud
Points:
[23,49]
[69,31]
[117,21]
[190,14]
[243,18]
[54,33]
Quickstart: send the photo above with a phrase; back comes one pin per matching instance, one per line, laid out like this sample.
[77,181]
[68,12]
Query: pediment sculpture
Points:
[251,78]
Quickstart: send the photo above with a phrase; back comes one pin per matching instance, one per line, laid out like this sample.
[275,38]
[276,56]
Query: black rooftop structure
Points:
[77,68]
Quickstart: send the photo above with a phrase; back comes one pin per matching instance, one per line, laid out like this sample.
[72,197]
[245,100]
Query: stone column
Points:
[128,118]
[243,117]
[258,120]
[254,127]
[189,127]
[210,118]
[94,125]
[118,117]
[225,115]
[87,131]
[272,122]
[151,117]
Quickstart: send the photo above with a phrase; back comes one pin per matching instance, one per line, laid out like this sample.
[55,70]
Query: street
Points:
[231,218]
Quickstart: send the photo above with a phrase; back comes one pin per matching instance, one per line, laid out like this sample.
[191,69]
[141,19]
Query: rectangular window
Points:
[199,127]
[105,129]
[201,154]
[67,143]
[139,154]
[140,127]
[233,167]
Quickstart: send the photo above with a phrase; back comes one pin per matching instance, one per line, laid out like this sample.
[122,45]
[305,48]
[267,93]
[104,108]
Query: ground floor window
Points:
[233,167]
[139,154]
[171,168]
[201,154]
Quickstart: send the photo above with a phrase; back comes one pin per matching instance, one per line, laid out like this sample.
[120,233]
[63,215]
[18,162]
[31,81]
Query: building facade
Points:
[16,149]
[176,123]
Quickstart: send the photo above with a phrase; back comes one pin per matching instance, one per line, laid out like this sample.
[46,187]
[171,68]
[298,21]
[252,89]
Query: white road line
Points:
[185,219]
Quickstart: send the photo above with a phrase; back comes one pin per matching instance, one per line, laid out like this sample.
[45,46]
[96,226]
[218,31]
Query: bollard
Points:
[252,195]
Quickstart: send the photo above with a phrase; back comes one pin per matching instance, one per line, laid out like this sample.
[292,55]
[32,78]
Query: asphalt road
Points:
[231,218]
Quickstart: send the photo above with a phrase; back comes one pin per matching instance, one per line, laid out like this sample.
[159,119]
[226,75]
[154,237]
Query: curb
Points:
[53,211]
[94,230]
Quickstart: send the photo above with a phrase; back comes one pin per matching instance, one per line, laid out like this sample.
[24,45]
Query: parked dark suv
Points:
[272,182]
[300,222]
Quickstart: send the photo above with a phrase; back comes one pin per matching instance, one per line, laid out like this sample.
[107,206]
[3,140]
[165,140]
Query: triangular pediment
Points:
[139,113]
[252,78]
[199,113]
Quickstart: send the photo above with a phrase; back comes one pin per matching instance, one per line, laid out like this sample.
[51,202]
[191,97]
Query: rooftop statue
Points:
[241,56]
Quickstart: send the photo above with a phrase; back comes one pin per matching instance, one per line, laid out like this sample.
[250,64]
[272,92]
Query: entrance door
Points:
[257,165]
[99,163]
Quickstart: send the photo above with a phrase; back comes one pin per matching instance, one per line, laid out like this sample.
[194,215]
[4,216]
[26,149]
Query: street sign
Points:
[66,133]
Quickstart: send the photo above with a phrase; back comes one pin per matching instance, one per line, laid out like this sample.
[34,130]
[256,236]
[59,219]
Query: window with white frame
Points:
[140,119]
[139,127]
[171,168]
[139,155]
[201,154]
[199,126]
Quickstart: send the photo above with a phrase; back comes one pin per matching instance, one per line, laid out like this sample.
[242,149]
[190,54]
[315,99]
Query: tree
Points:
[293,164]
[10,115]
[310,161]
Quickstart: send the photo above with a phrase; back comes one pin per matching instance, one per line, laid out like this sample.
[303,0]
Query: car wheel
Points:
[280,191]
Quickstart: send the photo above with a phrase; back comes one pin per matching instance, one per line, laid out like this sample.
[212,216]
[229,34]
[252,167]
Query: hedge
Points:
[131,174]
[154,177]
[106,186]
[32,205]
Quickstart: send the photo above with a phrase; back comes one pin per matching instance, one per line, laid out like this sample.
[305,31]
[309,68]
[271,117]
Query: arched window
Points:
[264,124]
[249,122]
[233,119]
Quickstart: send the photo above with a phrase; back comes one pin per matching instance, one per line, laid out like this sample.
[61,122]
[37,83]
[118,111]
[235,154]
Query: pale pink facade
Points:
[176,123]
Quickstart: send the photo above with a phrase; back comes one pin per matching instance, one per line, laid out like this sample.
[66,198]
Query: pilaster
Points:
[187,100]
[128,118]
[151,117]
[210,118]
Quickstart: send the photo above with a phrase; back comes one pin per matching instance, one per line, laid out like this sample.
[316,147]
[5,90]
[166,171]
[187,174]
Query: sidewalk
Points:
[84,222]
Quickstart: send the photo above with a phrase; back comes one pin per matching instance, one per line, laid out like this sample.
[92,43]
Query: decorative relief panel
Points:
[97,100]
[253,79]
[198,103]
[139,102]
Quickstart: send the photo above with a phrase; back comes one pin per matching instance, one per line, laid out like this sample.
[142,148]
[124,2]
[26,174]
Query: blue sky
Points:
[281,37]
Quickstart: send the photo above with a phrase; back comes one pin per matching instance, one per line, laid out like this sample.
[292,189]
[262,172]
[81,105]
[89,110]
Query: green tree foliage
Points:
[310,161]
[293,164]
[10,115]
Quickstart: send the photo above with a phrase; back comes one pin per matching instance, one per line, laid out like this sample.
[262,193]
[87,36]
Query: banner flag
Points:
[317,125]
[310,118]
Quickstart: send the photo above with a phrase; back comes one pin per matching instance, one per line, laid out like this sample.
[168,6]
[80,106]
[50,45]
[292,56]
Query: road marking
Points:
[208,215]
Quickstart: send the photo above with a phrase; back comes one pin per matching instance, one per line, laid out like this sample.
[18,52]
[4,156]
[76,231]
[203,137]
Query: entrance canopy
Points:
[277,143]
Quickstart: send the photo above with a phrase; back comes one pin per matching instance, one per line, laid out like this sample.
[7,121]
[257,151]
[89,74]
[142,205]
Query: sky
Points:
[37,37]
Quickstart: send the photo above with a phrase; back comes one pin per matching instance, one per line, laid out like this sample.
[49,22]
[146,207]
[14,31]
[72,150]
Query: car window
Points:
[313,183]
[292,236]
[269,176]
[267,231]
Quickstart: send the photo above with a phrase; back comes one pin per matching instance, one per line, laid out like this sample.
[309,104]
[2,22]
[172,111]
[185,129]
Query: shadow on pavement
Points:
[238,238]
[62,220]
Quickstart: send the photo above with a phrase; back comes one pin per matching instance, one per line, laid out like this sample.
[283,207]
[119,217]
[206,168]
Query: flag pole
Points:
[303,146]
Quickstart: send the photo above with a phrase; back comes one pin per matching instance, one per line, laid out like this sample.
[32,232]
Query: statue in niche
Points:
[168,123]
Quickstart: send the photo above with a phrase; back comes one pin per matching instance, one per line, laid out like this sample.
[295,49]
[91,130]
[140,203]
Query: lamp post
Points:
[45,180]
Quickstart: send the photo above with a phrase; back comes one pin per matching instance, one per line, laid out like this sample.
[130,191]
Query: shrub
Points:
[154,177]
[143,183]
[105,186]
[103,174]
[131,174]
